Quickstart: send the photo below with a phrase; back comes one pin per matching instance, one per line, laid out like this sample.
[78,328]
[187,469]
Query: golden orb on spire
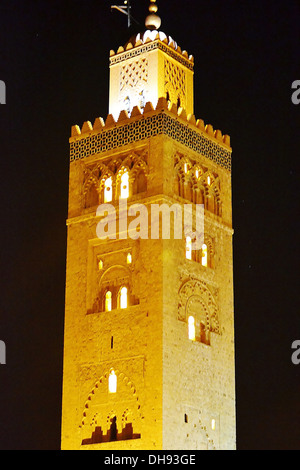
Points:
[153,21]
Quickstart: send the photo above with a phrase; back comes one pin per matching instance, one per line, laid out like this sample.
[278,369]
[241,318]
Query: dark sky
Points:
[54,61]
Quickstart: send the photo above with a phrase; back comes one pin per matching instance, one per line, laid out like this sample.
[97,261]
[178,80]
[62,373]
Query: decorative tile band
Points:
[150,126]
[149,47]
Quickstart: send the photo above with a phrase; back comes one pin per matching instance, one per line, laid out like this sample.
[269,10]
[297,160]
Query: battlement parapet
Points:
[162,105]
[164,118]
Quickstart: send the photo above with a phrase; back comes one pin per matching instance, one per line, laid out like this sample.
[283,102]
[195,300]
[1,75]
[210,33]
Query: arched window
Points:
[112,382]
[123,294]
[108,301]
[192,331]
[198,172]
[124,189]
[186,167]
[204,255]
[108,190]
[188,248]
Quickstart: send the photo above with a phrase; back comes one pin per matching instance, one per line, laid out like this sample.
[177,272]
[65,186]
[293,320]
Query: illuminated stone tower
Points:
[149,324]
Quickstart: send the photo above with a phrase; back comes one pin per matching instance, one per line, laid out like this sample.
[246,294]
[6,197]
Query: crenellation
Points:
[182,114]
[162,105]
[136,111]
[98,124]
[149,108]
[75,131]
[87,127]
[110,121]
[123,116]
[209,130]
[191,119]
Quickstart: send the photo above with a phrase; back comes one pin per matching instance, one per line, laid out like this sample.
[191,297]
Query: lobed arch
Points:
[194,289]
[197,183]
[112,280]
[95,176]
[203,315]
[103,382]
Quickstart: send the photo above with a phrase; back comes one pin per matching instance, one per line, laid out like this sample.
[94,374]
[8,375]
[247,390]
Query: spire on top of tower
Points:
[153,21]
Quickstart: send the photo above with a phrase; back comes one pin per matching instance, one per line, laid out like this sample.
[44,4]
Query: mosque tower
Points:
[149,322]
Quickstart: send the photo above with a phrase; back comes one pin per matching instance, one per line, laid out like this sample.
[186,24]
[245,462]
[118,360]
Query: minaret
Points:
[149,323]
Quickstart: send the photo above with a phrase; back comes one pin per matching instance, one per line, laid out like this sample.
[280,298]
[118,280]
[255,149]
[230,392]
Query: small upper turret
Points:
[149,66]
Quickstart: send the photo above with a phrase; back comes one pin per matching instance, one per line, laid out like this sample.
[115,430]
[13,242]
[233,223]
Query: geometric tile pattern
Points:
[141,129]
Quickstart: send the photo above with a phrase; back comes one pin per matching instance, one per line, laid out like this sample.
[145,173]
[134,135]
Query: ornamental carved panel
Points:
[196,299]
[175,83]
[133,83]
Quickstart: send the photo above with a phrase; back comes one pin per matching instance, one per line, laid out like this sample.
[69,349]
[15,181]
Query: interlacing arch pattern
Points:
[175,83]
[96,175]
[196,299]
[103,381]
[197,183]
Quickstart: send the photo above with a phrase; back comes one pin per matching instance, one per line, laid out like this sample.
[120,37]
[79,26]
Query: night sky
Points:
[54,57]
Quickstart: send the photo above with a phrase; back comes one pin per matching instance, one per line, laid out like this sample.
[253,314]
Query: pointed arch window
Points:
[108,190]
[192,330]
[108,301]
[123,297]
[112,382]
[198,172]
[124,189]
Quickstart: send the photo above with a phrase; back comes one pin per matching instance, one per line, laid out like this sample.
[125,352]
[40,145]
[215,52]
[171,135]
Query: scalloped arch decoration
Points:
[103,380]
[195,288]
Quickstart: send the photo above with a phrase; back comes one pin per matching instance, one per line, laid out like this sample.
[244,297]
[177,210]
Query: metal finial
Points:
[153,21]
[124,9]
